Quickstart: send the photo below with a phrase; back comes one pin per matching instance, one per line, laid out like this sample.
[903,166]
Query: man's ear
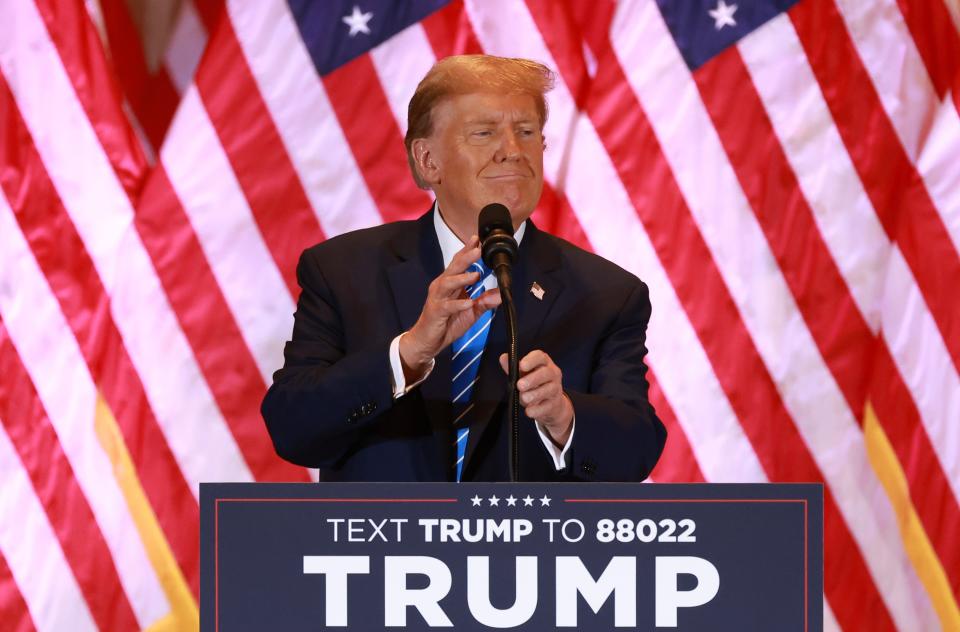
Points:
[425,160]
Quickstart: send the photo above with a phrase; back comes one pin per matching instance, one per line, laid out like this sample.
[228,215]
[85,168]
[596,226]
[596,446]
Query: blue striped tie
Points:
[467,350]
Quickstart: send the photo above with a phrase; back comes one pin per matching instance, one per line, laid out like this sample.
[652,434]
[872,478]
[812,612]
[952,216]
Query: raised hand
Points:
[447,313]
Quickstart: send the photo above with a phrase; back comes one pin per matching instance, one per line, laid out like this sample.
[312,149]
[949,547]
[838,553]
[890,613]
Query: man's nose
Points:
[509,147]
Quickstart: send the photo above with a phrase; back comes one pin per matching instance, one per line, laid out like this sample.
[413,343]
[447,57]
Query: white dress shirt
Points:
[450,244]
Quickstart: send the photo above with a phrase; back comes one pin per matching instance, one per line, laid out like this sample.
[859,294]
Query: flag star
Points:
[494,501]
[528,501]
[545,501]
[357,21]
[476,500]
[511,501]
[723,15]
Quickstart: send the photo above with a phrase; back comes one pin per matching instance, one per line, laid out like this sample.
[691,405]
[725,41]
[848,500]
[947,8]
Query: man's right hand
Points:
[447,313]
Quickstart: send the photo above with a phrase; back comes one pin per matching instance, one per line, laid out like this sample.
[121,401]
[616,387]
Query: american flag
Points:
[784,175]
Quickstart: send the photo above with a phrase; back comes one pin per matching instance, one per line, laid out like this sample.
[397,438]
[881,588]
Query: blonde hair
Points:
[465,74]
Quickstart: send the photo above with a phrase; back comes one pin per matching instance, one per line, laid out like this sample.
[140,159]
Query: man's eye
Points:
[482,133]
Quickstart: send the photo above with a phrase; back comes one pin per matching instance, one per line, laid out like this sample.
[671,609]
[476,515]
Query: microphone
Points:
[499,250]
[498,247]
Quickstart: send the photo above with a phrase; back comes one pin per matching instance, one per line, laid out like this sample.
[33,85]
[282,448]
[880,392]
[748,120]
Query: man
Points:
[397,366]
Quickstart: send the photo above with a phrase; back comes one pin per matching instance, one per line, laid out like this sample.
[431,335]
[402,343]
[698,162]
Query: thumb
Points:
[503,363]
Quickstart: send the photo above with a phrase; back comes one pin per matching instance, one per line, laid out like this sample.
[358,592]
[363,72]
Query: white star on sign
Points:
[476,500]
[494,501]
[511,501]
[723,15]
[528,501]
[357,21]
[544,502]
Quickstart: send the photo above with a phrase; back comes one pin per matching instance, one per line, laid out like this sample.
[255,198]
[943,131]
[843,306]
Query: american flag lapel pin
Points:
[537,291]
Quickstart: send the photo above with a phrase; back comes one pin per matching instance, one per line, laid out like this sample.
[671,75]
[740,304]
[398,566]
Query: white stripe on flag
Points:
[49,352]
[401,62]
[841,208]
[303,115]
[940,167]
[203,179]
[33,552]
[669,96]
[103,216]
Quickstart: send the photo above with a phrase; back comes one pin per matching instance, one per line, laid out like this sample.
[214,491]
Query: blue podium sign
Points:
[382,556]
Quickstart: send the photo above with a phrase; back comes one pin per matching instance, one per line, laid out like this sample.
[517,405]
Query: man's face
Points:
[486,148]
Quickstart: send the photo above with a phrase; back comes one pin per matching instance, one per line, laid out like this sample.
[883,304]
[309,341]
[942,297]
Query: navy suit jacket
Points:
[331,406]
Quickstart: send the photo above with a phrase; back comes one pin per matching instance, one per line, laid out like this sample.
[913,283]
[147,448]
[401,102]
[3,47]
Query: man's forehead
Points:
[480,107]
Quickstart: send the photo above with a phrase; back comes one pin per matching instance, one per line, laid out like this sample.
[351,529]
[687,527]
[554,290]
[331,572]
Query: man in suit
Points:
[397,367]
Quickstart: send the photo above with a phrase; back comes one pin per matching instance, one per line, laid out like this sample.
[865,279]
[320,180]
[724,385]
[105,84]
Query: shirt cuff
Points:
[559,456]
[400,386]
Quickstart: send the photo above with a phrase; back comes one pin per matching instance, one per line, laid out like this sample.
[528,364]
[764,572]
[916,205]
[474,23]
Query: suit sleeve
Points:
[619,436]
[323,398]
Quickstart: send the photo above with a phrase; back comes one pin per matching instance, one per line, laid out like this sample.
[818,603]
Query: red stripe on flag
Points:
[85,305]
[202,311]
[936,38]
[13,609]
[562,35]
[929,488]
[36,442]
[632,145]
[554,215]
[895,188]
[257,154]
[450,33]
[210,12]
[358,99]
[152,96]
[84,59]
[677,464]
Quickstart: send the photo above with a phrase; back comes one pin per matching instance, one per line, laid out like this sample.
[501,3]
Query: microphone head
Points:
[497,245]
[492,217]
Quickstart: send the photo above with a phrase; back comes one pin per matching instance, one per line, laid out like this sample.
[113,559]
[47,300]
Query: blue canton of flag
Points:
[336,32]
[705,28]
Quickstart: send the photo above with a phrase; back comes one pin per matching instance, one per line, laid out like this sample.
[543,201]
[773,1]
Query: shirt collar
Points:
[450,244]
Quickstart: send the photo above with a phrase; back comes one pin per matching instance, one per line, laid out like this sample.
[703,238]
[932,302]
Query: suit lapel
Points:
[419,261]
[539,261]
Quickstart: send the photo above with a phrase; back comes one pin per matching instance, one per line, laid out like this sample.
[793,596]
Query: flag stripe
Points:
[450,32]
[304,117]
[233,250]
[281,209]
[187,43]
[84,304]
[358,98]
[33,437]
[13,609]
[677,464]
[40,570]
[401,62]
[882,163]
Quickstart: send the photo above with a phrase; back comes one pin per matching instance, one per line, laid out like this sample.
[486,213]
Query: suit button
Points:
[588,467]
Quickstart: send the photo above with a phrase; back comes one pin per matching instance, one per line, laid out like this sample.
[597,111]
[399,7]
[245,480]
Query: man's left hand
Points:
[542,396]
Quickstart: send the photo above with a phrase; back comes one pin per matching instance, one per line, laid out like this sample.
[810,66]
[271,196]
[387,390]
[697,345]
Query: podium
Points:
[526,556]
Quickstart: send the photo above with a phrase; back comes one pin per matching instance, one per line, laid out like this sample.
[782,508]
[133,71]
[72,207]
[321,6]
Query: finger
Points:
[455,306]
[450,285]
[505,363]
[489,299]
[534,359]
[465,256]
[543,392]
[536,378]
